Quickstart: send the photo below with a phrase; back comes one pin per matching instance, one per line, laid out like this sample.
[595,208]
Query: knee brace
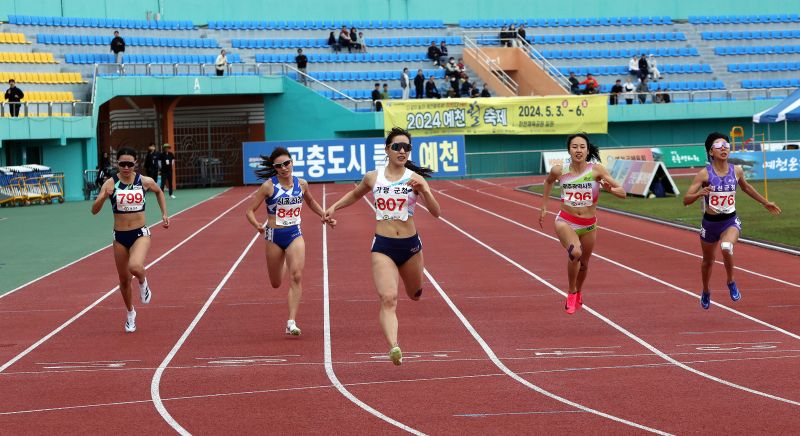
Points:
[569,252]
[727,246]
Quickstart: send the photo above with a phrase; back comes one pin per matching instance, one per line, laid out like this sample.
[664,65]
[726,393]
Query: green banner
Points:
[681,157]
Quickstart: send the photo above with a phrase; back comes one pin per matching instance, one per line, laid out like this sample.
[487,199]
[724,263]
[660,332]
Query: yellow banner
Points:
[499,116]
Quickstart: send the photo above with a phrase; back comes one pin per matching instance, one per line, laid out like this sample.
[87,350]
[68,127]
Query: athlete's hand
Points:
[418,186]
[166,221]
[328,215]
[108,192]
[772,208]
[330,221]
[705,191]
[607,186]
[260,228]
[541,218]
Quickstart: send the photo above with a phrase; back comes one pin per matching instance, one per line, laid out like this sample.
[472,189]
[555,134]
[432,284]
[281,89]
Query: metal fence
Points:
[209,151]
[137,134]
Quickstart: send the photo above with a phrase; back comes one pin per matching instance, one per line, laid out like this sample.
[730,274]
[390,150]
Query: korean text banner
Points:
[680,157]
[498,116]
[634,176]
[349,159]
[779,165]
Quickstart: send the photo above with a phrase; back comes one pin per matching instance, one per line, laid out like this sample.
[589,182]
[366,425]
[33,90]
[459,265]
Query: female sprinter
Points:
[720,223]
[396,249]
[576,223]
[131,236]
[285,248]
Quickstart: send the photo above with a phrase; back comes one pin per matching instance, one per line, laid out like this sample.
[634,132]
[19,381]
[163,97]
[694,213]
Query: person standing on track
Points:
[721,225]
[397,248]
[285,249]
[576,223]
[126,190]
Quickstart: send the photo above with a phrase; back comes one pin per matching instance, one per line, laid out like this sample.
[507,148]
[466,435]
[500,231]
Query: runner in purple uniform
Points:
[720,225]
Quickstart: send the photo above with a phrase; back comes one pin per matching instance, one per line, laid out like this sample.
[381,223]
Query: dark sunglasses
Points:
[398,145]
[126,164]
[283,164]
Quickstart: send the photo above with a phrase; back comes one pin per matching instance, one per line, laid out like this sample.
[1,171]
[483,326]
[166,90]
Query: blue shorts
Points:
[714,225]
[128,237]
[284,236]
[398,249]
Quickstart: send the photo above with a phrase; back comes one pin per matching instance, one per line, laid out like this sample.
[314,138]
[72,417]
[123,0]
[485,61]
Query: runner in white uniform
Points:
[126,191]
[396,249]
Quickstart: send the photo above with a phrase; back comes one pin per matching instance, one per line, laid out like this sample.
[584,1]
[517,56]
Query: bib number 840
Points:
[289,213]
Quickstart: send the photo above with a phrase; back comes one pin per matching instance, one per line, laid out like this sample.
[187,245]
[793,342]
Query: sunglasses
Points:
[398,145]
[126,164]
[722,144]
[282,165]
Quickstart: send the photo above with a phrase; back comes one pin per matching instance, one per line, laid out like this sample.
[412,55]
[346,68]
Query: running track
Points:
[487,350]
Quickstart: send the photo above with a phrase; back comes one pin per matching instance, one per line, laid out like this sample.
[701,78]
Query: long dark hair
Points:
[127,151]
[594,152]
[268,171]
[397,131]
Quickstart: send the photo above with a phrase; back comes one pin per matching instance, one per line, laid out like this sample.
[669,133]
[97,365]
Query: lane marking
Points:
[107,246]
[564,348]
[109,293]
[328,359]
[727,331]
[731,343]
[606,320]
[154,384]
[481,415]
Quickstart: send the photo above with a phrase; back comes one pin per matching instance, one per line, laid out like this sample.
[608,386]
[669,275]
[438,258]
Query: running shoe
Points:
[144,292]
[735,295]
[578,301]
[396,356]
[172,196]
[291,328]
[130,324]
[570,306]
[705,300]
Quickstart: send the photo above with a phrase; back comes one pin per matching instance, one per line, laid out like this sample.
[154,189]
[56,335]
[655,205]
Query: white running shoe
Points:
[144,292]
[172,196]
[130,325]
[291,328]
[396,356]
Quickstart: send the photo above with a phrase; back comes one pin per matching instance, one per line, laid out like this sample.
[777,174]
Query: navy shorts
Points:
[714,225]
[128,237]
[398,249]
[284,236]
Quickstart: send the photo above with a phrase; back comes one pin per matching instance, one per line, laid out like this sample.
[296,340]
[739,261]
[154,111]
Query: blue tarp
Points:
[788,109]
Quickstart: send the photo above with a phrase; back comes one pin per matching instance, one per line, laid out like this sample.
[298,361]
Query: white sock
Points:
[143,285]
[132,314]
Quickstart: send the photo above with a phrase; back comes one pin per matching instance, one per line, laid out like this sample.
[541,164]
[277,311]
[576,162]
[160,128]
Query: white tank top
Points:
[394,200]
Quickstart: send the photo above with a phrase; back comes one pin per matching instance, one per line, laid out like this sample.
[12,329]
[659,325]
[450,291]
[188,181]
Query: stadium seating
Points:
[421,41]
[566,22]
[34,96]
[101,22]
[28,58]
[616,54]
[614,70]
[752,34]
[584,38]
[744,19]
[771,83]
[44,78]
[61,39]
[326,25]
[108,58]
[13,38]
[756,49]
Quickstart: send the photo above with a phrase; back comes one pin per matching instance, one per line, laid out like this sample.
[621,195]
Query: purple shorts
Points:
[712,230]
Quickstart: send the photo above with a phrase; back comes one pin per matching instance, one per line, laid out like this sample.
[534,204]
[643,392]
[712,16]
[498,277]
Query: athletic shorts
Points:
[714,225]
[398,249]
[128,237]
[581,226]
[283,236]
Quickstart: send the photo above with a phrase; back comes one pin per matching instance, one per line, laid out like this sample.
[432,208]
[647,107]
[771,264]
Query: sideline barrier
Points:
[671,157]
[783,164]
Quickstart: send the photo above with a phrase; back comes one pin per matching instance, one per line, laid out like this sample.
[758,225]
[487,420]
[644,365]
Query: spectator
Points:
[405,84]
[14,95]
[221,63]
[461,66]
[451,93]
[616,91]
[591,85]
[151,162]
[167,160]
[354,40]
[102,176]
[452,68]
[503,37]
[455,83]
[657,98]
[118,46]
[363,44]
[105,162]
[629,88]
[344,38]
[434,54]
[385,93]
[574,85]
[474,92]
[419,84]
[485,93]
[665,98]
[443,55]
[448,83]
[521,32]
[430,89]
[302,61]
[376,97]
[643,67]
[642,90]
[333,43]
[654,73]
[466,86]
[512,36]
[633,66]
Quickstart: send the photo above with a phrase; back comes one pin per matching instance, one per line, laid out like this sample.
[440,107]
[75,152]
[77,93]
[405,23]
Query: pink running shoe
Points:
[570,306]
[578,301]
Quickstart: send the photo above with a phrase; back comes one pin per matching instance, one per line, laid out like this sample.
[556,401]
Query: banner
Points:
[780,164]
[609,156]
[637,176]
[553,158]
[680,157]
[349,159]
[562,115]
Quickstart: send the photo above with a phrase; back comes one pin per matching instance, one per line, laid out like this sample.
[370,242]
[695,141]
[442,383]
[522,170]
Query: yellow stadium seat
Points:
[4,57]
[22,39]
[36,57]
[3,37]
[66,78]
[14,38]
[21,57]
[24,78]
[50,59]
[47,78]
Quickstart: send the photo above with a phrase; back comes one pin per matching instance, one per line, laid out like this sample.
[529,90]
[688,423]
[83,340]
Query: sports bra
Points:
[579,191]
[722,199]
[394,200]
[285,204]
[128,198]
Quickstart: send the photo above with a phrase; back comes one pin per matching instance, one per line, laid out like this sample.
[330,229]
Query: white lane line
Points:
[731,343]
[489,352]
[480,191]
[613,324]
[328,357]
[696,295]
[99,300]
[154,384]
[565,348]
[103,248]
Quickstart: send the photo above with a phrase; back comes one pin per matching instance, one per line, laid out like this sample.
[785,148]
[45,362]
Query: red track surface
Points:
[237,372]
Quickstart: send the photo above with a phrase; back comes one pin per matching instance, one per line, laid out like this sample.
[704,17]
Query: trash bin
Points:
[658,189]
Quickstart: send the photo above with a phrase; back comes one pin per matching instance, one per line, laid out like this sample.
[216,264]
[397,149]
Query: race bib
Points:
[577,196]
[130,200]
[392,203]
[288,214]
[722,202]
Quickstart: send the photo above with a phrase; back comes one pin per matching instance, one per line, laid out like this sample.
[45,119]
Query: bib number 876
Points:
[721,200]
[390,204]
[290,213]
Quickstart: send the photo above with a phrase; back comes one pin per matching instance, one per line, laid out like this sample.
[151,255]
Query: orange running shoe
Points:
[578,301]
[570,306]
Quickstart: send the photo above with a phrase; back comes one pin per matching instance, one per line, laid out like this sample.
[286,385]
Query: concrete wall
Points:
[530,77]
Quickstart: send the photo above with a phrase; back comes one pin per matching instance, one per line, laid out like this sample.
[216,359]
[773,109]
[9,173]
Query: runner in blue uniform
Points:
[126,190]
[721,225]
[285,248]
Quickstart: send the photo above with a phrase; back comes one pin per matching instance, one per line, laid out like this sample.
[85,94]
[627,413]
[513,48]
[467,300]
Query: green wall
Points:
[450,11]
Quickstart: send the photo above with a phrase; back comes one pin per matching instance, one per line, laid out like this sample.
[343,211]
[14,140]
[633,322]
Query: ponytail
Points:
[422,171]
[593,152]
[267,171]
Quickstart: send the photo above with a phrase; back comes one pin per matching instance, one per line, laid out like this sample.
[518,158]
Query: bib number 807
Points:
[289,213]
[390,204]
